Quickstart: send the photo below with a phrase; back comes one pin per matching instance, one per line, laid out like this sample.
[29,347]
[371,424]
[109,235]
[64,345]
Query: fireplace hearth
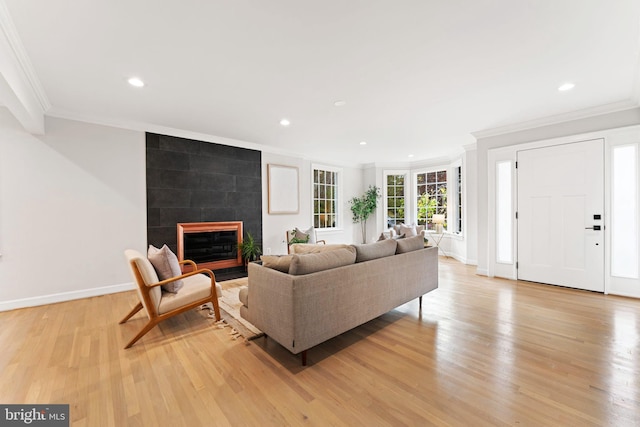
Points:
[211,245]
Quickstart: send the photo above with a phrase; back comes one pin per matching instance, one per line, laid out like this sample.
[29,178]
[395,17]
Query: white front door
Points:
[561,215]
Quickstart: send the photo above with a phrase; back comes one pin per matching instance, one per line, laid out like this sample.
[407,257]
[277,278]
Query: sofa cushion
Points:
[311,263]
[277,262]
[314,249]
[410,244]
[370,251]
[167,266]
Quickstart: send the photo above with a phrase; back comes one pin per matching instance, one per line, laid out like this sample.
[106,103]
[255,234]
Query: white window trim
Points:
[339,198]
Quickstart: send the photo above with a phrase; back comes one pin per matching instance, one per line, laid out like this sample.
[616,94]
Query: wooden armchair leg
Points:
[135,309]
[216,307]
[304,358]
[144,330]
[420,300]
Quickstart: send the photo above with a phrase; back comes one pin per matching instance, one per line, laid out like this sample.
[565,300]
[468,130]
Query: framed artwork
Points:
[283,191]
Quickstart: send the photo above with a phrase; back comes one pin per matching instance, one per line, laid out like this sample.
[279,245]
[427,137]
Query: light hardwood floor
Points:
[482,352]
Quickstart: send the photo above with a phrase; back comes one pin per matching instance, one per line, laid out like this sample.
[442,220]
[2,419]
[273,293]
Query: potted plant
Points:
[363,207]
[249,250]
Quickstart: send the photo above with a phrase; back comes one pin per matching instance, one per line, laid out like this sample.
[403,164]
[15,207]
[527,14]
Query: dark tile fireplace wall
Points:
[195,181]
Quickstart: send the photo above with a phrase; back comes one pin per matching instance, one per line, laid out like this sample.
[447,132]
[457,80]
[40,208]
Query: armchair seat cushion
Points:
[194,288]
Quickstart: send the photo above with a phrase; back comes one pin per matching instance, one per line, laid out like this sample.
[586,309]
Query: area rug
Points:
[230,310]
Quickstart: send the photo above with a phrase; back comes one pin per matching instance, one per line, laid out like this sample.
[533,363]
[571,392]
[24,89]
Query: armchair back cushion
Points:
[148,275]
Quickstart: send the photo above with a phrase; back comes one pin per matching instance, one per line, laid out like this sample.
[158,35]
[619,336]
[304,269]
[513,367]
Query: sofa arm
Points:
[270,303]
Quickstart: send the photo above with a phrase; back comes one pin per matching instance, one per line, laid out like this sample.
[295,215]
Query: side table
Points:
[436,238]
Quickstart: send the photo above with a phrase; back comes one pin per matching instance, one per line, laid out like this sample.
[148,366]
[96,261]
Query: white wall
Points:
[71,201]
[470,187]
[274,227]
[464,248]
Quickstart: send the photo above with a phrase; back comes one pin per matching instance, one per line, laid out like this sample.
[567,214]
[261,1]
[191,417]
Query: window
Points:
[432,197]
[504,224]
[395,199]
[624,212]
[325,197]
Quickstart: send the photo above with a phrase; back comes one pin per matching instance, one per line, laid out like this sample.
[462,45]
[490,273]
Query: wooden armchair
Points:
[199,287]
[297,237]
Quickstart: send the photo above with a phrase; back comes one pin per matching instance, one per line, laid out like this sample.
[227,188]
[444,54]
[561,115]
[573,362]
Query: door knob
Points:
[595,227]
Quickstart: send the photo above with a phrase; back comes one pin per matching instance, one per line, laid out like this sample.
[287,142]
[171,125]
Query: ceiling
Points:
[417,76]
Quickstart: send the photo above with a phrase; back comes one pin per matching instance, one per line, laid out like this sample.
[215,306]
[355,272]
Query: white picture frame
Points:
[283,189]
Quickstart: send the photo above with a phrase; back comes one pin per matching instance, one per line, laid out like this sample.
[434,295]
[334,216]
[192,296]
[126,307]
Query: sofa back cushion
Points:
[277,262]
[410,244]
[311,263]
[379,249]
[301,248]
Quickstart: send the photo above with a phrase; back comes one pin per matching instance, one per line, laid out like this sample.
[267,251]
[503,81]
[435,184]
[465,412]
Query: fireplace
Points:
[211,245]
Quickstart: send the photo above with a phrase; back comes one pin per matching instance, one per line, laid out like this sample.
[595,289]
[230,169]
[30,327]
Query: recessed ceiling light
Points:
[134,81]
[285,122]
[339,103]
[410,155]
[566,86]
[363,142]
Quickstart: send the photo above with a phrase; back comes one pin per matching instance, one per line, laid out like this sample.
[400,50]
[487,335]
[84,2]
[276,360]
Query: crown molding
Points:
[559,118]
[21,58]
[470,147]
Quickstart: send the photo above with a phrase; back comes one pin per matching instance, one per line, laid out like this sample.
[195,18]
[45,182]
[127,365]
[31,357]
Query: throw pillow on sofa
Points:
[371,251]
[410,244]
[167,266]
[311,263]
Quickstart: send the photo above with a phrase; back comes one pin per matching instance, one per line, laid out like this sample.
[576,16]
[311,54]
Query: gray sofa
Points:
[327,293]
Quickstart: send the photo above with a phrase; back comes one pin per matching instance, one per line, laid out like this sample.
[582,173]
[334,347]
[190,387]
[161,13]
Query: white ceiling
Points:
[418,76]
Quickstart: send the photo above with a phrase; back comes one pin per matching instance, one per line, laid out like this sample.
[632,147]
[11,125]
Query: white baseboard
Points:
[64,296]
[463,260]
[482,272]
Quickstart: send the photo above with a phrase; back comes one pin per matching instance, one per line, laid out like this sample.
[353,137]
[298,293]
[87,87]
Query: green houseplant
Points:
[362,208]
[249,249]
